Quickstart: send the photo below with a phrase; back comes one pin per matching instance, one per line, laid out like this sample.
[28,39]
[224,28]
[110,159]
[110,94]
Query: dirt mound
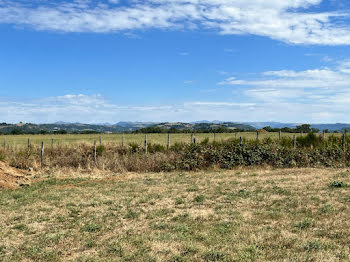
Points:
[12,178]
[262,131]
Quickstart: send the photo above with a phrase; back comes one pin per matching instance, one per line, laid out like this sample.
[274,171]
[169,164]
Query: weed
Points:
[179,201]
[304,224]
[213,255]
[92,228]
[199,199]
[338,184]
[131,214]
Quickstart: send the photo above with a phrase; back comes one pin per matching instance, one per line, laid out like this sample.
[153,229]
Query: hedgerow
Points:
[309,151]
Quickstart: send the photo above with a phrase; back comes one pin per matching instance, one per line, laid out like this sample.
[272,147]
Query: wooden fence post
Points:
[100,140]
[241,140]
[194,141]
[345,133]
[95,151]
[146,144]
[192,138]
[28,143]
[294,141]
[42,154]
[168,141]
[123,140]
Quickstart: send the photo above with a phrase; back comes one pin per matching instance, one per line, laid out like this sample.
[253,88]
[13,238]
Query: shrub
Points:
[100,150]
[2,156]
[338,184]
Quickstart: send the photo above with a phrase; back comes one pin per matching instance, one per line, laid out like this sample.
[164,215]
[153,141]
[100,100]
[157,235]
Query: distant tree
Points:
[268,128]
[305,128]
[61,132]
[89,132]
[43,132]
[287,130]
[17,131]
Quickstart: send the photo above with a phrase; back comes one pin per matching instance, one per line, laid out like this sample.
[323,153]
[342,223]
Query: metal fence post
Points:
[146,149]
[95,151]
[42,153]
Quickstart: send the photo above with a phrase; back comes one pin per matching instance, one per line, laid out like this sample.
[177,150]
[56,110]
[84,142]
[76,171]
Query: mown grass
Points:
[237,215]
[71,139]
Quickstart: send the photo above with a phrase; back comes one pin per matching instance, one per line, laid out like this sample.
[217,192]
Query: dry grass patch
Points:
[238,215]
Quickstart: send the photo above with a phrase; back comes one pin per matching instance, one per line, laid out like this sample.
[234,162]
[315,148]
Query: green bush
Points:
[154,148]
[2,156]
[338,184]
[100,150]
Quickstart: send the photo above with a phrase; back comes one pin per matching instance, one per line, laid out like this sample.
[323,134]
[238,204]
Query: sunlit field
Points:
[237,215]
[133,138]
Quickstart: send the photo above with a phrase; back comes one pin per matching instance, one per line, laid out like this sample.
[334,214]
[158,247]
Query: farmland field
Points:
[132,138]
[236,215]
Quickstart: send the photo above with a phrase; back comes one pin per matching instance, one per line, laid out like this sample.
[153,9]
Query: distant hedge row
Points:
[311,151]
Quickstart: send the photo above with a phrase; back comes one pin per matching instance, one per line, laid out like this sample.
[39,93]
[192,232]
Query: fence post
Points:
[241,140]
[279,134]
[194,141]
[192,138]
[168,141]
[145,143]
[42,154]
[28,143]
[257,135]
[95,152]
[294,141]
[123,140]
[100,140]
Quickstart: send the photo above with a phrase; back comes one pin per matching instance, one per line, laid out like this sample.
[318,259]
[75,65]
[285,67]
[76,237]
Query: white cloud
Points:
[285,20]
[316,95]
[325,78]
[97,109]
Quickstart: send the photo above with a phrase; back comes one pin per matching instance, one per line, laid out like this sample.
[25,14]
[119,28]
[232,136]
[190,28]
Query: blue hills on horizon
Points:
[129,126]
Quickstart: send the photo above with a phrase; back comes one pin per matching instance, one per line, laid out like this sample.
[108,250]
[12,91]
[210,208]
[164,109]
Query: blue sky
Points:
[175,60]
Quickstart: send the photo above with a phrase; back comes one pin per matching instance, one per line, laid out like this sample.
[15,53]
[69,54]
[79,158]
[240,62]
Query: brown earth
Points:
[12,178]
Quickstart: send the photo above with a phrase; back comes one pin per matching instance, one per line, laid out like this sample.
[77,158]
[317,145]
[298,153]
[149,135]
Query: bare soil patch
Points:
[12,178]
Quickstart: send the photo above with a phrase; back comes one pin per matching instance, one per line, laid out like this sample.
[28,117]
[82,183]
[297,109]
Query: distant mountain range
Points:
[260,125]
[121,127]
[321,127]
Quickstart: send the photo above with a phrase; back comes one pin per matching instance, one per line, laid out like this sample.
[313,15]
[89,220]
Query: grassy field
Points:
[130,138]
[241,215]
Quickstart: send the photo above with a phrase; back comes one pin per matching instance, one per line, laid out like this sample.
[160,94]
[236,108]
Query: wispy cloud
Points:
[325,92]
[288,20]
[97,109]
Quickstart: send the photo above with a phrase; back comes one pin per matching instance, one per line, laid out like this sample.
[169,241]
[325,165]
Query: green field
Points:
[131,138]
[238,215]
